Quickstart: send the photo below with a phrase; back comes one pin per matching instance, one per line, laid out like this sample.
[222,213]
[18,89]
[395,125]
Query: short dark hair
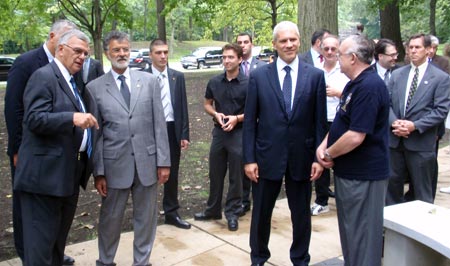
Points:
[245,34]
[114,35]
[425,39]
[318,34]
[235,47]
[381,45]
[360,27]
[157,42]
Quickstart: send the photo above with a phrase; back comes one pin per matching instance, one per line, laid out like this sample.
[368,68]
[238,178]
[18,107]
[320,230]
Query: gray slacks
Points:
[144,222]
[360,217]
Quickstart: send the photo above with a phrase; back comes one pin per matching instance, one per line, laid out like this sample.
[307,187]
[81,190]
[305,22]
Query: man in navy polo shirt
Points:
[357,149]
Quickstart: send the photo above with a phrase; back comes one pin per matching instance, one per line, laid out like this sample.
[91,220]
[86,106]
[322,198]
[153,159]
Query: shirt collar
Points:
[47,52]
[381,69]
[64,71]
[157,72]
[126,74]
[421,67]
[314,54]
[293,65]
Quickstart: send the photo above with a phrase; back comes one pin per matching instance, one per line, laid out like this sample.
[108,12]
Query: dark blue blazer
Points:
[18,76]
[272,139]
[48,153]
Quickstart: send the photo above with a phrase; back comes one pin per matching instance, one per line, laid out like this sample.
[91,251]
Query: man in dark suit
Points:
[177,119]
[92,69]
[18,76]
[386,58]
[313,55]
[419,103]
[440,61]
[248,64]
[53,156]
[285,121]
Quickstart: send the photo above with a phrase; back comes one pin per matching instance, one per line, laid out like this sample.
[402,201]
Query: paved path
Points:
[211,244]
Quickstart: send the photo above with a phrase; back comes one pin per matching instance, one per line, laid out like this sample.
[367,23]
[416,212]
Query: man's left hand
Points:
[163,174]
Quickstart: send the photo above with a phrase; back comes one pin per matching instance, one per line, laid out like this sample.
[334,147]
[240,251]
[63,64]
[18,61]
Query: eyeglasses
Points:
[78,51]
[392,55]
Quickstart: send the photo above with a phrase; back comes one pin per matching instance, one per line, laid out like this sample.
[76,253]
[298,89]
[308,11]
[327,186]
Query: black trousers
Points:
[170,199]
[225,154]
[265,194]
[16,215]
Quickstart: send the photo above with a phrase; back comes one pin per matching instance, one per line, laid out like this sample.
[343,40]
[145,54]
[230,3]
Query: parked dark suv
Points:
[140,59]
[203,57]
[5,65]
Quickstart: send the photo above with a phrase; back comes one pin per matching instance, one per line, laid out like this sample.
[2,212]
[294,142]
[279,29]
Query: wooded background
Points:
[25,23]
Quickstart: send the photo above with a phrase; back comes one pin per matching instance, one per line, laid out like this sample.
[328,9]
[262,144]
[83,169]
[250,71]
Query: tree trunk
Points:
[314,15]
[161,20]
[145,18]
[433,17]
[390,26]
[97,33]
[274,15]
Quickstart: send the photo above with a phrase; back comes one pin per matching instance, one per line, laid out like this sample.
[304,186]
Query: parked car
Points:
[140,59]
[203,57]
[265,54]
[5,65]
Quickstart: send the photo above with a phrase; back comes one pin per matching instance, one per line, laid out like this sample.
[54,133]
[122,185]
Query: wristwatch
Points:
[327,156]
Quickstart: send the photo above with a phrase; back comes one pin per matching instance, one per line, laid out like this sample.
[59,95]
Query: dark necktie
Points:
[124,90]
[80,104]
[413,88]
[287,89]
[321,58]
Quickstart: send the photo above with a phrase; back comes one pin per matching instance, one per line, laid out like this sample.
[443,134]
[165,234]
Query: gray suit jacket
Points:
[429,106]
[130,139]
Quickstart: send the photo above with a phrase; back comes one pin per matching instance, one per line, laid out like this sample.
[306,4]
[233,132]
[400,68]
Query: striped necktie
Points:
[164,95]
[413,88]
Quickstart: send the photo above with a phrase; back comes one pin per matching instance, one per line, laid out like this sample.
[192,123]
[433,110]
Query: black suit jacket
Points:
[307,57]
[274,140]
[48,153]
[18,76]
[95,70]
[179,103]
[442,63]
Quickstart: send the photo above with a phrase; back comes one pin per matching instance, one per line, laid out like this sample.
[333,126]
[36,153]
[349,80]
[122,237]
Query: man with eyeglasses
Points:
[131,153]
[335,82]
[18,76]
[386,59]
[53,157]
[357,149]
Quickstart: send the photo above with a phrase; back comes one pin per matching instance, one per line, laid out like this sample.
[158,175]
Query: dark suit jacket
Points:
[254,65]
[273,140]
[429,106]
[307,57]
[18,76]
[179,103]
[442,63]
[50,144]
[95,70]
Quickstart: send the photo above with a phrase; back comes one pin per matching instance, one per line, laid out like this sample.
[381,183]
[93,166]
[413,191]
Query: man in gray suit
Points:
[132,150]
[419,103]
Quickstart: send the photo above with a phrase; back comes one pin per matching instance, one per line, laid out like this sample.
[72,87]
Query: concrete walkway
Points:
[211,244]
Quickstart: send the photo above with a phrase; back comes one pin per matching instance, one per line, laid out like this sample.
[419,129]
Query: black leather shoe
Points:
[177,221]
[201,216]
[257,264]
[330,193]
[233,225]
[68,260]
[243,210]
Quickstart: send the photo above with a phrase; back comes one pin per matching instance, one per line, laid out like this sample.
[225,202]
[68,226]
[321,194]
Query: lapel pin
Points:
[425,82]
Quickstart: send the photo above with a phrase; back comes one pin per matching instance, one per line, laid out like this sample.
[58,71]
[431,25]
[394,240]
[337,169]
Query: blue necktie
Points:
[77,96]
[287,89]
